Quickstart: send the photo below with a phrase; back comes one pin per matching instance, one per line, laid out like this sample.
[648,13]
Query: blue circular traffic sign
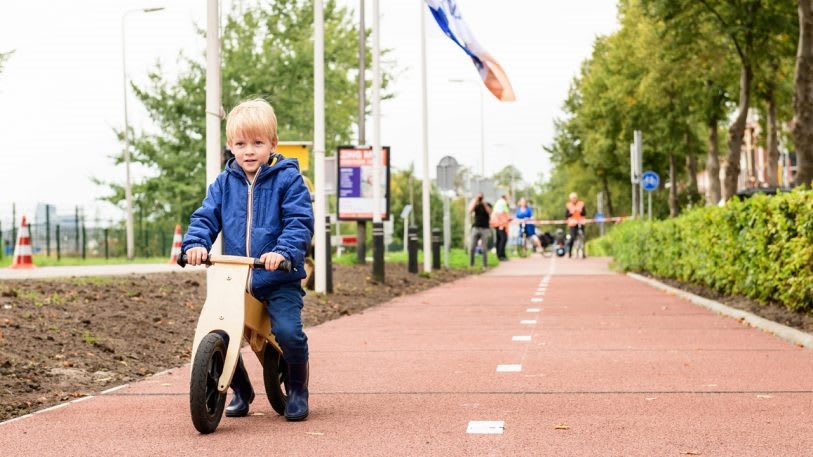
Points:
[650,180]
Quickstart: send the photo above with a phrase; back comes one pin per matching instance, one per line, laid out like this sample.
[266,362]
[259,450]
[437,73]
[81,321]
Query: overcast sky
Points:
[61,92]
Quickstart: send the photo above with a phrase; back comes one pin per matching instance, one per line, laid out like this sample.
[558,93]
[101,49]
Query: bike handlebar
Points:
[284,266]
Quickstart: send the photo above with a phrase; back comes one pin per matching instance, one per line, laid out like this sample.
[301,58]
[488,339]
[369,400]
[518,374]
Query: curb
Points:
[784,332]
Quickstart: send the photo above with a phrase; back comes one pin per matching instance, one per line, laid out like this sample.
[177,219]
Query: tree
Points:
[267,51]
[510,177]
[803,96]
[748,26]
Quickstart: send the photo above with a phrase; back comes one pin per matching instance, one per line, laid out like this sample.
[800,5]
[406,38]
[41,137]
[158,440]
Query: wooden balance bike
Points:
[230,314]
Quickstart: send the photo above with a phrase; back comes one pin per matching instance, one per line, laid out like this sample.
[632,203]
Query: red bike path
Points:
[538,357]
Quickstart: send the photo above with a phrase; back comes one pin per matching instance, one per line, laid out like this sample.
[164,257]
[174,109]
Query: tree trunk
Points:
[674,209]
[691,170]
[735,133]
[607,195]
[803,96]
[772,167]
[713,166]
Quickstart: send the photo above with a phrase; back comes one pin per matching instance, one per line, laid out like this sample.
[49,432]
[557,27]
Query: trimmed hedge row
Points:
[761,248]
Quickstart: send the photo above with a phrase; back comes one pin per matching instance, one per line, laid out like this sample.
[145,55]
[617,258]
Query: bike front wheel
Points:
[206,402]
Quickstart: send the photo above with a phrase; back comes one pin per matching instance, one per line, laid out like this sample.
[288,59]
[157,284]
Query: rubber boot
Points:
[297,386]
[243,392]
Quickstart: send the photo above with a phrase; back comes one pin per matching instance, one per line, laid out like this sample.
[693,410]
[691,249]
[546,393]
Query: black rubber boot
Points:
[243,392]
[297,386]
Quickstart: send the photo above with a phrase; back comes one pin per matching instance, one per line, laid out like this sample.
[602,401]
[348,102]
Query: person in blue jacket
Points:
[263,208]
[525,216]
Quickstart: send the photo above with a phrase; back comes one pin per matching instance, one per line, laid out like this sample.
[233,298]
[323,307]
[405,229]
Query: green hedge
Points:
[761,248]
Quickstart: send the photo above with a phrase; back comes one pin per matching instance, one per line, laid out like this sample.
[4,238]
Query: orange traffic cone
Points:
[22,250]
[176,245]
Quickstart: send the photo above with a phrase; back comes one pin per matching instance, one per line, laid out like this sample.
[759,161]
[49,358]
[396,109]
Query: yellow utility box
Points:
[299,150]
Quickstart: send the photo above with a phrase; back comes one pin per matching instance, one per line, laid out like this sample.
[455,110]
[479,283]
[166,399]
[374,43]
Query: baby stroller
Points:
[560,242]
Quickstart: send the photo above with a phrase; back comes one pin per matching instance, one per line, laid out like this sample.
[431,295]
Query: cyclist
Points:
[524,214]
[575,214]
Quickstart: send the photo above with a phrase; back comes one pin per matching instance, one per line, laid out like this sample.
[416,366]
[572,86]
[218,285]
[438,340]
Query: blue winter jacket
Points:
[274,214]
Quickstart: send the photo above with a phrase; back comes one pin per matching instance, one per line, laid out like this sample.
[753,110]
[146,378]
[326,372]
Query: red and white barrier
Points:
[564,221]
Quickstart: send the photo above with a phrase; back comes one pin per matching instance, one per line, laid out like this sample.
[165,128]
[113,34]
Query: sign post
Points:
[649,182]
[446,172]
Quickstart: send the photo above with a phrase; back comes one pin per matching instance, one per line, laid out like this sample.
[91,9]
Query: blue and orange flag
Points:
[447,14]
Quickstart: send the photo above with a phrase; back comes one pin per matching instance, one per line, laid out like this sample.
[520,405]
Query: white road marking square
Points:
[486,427]
[536,300]
[533,310]
[509,368]
[528,321]
[521,338]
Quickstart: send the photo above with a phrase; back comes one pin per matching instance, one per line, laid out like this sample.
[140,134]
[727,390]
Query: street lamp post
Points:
[128,189]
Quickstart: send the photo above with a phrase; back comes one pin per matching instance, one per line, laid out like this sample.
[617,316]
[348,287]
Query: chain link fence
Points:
[71,240]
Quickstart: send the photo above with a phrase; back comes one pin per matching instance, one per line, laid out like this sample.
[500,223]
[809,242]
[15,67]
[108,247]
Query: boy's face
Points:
[252,150]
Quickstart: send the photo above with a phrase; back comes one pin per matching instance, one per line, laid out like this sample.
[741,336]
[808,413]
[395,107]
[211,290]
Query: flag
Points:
[447,14]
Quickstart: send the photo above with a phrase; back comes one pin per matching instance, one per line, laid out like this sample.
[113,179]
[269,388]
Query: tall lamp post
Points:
[128,188]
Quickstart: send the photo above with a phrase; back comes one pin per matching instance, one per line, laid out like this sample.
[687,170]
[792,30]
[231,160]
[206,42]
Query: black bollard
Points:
[412,248]
[436,241]
[378,251]
[328,257]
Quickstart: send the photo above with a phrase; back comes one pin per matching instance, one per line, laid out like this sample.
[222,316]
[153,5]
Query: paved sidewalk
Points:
[539,357]
[91,270]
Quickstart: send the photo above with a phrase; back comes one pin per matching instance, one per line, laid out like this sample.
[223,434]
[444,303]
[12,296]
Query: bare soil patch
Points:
[62,339]
[771,311]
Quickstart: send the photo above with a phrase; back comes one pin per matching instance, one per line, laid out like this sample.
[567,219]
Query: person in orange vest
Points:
[575,214]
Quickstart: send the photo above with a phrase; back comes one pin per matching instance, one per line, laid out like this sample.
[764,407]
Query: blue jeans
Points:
[284,305]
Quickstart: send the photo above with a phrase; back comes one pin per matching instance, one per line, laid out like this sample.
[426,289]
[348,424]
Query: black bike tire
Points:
[275,376]
[206,403]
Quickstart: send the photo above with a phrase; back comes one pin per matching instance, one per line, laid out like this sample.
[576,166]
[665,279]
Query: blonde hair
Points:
[251,118]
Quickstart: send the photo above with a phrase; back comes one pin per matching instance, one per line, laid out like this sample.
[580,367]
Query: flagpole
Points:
[424,136]
[320,207]
[214,152]
[378,226]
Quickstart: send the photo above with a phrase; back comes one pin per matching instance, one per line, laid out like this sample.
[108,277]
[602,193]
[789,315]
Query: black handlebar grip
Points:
[285,265]
[183,261]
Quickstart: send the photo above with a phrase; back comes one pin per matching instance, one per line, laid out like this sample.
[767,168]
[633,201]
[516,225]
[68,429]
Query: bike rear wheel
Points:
[275,377]
[206,403]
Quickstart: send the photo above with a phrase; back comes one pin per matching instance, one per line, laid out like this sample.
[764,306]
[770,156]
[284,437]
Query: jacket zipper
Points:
[248,227]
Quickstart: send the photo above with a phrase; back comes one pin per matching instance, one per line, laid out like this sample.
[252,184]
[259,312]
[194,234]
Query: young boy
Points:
[263,207]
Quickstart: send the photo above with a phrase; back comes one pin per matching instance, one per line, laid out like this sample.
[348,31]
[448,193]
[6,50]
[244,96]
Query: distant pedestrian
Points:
[575,215]
[480,230]
[263,207]
[500,220]
[525,215]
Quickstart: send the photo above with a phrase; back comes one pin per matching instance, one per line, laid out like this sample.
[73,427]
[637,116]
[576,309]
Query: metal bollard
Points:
[378,251]
[412,249]
[329,258]
[436,241]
